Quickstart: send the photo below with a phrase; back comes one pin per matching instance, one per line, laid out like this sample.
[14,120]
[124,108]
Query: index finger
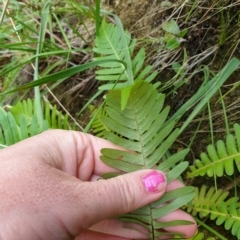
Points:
[77,153]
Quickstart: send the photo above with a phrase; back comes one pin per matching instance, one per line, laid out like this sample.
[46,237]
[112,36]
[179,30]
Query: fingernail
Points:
[153,181]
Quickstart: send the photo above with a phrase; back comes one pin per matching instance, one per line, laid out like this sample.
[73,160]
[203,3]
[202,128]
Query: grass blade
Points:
[60,75]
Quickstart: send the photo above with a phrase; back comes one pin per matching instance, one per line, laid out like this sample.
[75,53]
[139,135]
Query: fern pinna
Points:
[212,203]
[138,128]
[219,159]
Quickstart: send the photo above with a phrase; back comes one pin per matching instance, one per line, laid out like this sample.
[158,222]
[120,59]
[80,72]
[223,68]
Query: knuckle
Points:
[127,193]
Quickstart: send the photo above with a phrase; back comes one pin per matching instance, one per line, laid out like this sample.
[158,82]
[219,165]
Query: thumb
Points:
[123,194]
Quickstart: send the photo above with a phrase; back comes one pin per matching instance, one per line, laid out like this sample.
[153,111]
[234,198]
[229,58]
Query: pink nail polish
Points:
[152,181]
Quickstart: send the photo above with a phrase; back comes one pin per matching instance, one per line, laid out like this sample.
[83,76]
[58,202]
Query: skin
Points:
[49,191]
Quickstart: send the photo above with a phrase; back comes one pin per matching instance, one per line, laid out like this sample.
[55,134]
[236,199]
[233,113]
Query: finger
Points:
[73,152]
[92,202]
[121,229]
[115,226]
[91,235]
[187,230]
[134,231]
[174,185]
[79,153]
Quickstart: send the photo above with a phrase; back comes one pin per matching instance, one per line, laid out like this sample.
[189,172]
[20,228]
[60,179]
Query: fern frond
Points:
[220,158]
[139,128]
[138,125]
[56,119]
[21,122]
[215,204]
[112,44]
[12,132]
[53,117]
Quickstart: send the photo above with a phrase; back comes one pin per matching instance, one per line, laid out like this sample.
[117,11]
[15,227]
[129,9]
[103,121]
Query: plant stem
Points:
[210,229]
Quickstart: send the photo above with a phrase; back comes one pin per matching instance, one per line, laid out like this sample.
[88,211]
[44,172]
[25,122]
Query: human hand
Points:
[49,191]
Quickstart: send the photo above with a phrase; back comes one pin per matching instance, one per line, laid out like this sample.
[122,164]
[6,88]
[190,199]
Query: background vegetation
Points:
[186,42]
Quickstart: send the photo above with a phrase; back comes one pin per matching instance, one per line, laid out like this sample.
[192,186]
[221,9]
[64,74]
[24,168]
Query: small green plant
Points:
[223,158]
[210,203]
[173,37]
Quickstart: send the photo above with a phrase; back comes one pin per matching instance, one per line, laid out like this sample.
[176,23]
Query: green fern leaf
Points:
[12,132]
[21,122]
[215,204]
[220,159]
[138,128]
[53,117]
[111,44]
